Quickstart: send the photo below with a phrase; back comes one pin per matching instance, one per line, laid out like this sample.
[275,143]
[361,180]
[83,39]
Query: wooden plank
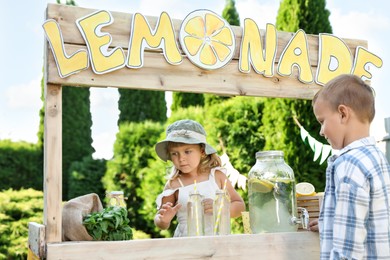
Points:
[36,239]
[120,30]
[53,163]
[276,246]
[157,74]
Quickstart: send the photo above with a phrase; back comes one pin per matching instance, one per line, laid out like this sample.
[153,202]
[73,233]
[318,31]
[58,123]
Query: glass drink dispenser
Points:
[272,199]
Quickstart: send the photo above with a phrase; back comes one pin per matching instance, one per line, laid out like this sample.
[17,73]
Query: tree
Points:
[230,13]
[278,125]
[76,130]
[309,15]
[184,100]
[141,105]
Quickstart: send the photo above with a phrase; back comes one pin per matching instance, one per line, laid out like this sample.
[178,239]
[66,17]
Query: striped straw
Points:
[196,210]
[220,210]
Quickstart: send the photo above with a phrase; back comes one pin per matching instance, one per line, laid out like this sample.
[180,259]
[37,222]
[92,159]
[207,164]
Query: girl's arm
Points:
[237,204]
[166,212]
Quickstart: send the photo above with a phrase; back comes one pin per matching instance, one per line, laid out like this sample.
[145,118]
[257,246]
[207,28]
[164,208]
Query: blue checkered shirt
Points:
[354,222]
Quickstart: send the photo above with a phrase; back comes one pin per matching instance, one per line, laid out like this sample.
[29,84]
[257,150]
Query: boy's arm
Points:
[349,231]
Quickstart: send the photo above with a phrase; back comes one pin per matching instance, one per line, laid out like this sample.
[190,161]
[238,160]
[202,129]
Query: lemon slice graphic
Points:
[207,39]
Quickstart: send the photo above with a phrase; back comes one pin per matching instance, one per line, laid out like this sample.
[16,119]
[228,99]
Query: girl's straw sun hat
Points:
[183,131]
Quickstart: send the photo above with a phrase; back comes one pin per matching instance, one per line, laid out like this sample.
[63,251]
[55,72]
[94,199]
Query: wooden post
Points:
[53,163]
[36,240]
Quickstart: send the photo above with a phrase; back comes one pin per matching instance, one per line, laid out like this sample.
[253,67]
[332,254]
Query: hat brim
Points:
[162,150]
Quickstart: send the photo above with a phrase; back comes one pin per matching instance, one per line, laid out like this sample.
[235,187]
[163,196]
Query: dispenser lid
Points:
[269,153]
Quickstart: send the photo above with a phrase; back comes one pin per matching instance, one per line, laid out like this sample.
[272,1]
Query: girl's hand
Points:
[167,211]
[313,225]
[208,206]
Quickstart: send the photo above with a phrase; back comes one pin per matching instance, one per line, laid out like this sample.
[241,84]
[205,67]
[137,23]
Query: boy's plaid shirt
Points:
[355,216]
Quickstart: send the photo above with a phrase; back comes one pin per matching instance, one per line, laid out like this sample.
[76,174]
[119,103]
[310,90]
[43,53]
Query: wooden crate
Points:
[312,204]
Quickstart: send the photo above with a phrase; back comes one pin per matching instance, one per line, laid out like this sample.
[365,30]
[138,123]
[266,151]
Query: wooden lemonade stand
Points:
[45,240]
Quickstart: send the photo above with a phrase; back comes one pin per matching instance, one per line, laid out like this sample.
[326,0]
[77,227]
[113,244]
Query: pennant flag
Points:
[319,149]
[326,152]
[304,134]
[311,141]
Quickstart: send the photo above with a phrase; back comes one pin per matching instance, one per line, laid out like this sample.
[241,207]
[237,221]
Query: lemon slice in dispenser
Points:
[262,186]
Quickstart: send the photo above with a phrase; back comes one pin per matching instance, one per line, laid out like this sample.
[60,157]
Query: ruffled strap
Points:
[163,194]
[221,169]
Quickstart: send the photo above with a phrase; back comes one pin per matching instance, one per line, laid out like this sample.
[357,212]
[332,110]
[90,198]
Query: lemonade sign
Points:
[208,41]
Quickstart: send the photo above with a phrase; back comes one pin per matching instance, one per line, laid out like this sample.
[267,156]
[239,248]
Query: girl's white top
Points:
[206,188]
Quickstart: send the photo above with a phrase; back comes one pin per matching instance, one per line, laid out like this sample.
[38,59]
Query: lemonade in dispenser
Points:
[272,199]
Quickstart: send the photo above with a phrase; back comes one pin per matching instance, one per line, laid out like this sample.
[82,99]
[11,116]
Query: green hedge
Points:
[234,128]
[21,165]
[133,148]
[17,209]
[86,177]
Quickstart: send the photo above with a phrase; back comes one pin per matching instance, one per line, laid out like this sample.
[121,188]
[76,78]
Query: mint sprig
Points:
[109,225]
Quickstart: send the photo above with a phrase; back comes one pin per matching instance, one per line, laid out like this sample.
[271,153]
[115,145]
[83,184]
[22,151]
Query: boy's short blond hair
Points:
[351,91]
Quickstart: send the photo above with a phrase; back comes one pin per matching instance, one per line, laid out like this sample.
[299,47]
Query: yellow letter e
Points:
[102,60]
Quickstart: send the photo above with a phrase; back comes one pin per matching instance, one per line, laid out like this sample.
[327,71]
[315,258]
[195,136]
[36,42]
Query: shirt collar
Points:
[356,144]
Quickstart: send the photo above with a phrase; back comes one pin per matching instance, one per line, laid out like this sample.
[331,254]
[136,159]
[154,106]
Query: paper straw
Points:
[224,185]
[196,210]
[195,189]
[220,209]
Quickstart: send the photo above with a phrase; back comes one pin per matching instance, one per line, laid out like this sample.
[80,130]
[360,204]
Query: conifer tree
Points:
[278,125]
[140,105]
[184,100]
[76,130]
[230,13]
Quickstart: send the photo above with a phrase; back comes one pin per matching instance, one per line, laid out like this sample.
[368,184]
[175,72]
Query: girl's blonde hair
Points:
[206,162]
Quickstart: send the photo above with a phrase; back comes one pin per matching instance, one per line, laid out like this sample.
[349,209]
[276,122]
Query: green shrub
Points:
[133,148]
[17,209]
[234,127]
[86,177]
[152,185]
[21,165]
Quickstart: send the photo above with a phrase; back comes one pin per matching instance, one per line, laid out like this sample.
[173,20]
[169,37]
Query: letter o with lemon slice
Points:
[305,189]
[207,39]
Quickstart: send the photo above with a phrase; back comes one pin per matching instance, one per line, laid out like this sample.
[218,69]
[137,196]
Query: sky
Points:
[22,43]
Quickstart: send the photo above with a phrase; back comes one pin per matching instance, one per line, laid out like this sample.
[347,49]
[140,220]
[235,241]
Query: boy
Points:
[354,222]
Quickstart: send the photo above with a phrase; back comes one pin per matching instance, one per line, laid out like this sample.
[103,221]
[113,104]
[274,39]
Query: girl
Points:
[194,161]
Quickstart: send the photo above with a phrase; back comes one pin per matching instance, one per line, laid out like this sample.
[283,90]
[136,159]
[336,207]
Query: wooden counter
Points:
[295,245]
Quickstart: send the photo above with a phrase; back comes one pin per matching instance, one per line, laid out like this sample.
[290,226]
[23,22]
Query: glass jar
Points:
[271,194]
[116,198]
[221,212]
[195,214]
